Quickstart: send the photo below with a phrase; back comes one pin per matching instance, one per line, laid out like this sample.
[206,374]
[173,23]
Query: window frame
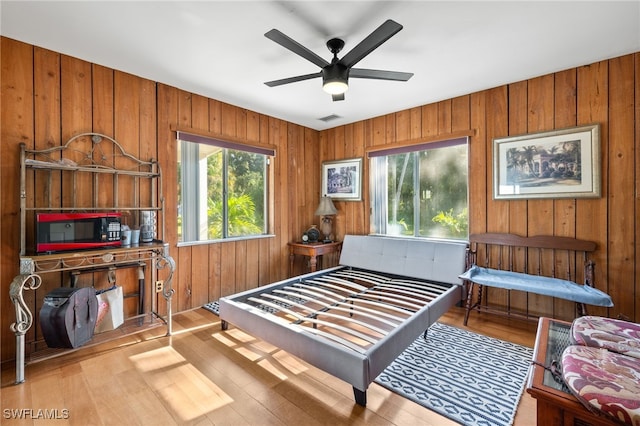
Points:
[225,145]
[378,191]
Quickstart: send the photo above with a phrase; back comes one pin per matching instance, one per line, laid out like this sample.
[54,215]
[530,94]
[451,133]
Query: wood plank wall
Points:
[48,97]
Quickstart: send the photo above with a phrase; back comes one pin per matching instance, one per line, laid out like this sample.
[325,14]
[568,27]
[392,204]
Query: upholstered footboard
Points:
[350,321]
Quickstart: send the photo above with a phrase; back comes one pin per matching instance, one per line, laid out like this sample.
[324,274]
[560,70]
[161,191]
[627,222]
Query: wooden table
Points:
[312,251]
[555,404]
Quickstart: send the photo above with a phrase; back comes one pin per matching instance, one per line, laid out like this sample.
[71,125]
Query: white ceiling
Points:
[217,48]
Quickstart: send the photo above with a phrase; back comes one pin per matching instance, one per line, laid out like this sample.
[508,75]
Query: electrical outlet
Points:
[159,285]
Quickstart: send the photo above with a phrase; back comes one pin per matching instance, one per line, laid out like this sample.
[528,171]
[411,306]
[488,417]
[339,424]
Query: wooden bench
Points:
[544,265]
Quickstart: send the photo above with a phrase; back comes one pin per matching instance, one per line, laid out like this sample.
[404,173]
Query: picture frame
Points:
[342,179]
[557,164]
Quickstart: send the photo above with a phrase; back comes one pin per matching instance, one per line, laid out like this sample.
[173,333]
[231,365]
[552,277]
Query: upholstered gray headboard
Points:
[440,261]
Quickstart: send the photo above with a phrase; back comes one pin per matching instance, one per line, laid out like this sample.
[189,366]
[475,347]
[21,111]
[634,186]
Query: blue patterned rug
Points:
[467,377]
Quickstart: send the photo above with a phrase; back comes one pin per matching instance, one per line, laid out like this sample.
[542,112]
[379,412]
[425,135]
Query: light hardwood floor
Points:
[203,376]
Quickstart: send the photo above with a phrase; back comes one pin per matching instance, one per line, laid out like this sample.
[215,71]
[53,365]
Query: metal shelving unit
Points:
[60,173]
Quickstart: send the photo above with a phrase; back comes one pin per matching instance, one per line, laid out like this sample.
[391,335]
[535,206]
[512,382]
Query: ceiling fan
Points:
[335,74]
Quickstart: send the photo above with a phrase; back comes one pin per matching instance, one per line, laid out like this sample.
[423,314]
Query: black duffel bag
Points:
[68,316]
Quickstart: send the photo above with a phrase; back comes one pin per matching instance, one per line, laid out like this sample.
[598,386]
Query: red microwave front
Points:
[77,231]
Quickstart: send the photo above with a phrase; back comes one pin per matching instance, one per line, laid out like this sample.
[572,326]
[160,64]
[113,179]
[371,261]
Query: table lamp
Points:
[326,209]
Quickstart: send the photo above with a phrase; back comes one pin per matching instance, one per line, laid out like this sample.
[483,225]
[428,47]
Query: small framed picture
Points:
[557,164]
[342,179]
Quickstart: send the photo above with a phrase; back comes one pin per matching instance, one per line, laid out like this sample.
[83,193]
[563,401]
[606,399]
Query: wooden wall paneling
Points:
[253,134]
[415,122]
[496,126]
[390,128]
[103,122]
[338,152]
[479,173]
[198,287]
[167,147]
[265,243]
[564,211]
[16,91]
[429,120]
[182,285]
[592,214]
[540,101]
[403,125]
[278,265]
[241,123]
[378,130]
[622,219]
[126,101]
[359,219]
[517,110]
[497,210]
[252,253]
[228,124]
[311,172]
[182,281]
[264,260]
[240,263]
[444,116]
[253,127]
[295,174]
[460,113]
[76,118]
[194,291]
[368,140]
[214,272]
[518,126]
[43,188]
[149,150]
[227,268]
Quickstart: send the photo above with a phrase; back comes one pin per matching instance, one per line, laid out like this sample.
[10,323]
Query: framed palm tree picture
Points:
[557,164]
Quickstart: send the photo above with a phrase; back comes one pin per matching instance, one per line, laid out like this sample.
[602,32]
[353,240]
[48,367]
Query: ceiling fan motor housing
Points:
[334,78]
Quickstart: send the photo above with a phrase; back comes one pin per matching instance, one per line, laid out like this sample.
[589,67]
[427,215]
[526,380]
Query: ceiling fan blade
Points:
[381,34]
[293,79]
[289,43]
[339,97]
[380,74]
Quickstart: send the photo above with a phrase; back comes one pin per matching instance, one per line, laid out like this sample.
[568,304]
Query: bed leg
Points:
[224,325]
[360,396]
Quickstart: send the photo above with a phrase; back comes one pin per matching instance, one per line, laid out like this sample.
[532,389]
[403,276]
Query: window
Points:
[421,190]
[222,189]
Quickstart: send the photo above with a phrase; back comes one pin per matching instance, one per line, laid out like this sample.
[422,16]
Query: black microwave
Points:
[77,231]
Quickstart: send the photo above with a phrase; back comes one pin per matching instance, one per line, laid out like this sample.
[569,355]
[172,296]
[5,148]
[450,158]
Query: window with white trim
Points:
[222,189]
[421,190]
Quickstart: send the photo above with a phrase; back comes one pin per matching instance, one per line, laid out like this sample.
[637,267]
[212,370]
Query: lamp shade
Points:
[326,207]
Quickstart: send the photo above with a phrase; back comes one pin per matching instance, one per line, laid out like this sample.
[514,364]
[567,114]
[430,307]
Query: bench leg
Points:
[468,305]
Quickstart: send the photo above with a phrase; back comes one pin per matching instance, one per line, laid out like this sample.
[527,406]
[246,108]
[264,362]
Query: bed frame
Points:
[353,320]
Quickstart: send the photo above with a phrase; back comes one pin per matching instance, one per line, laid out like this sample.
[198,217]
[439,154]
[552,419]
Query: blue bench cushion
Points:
[547,286]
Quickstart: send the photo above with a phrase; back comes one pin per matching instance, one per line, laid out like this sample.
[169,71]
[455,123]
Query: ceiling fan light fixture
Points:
[334,79]
[335,87]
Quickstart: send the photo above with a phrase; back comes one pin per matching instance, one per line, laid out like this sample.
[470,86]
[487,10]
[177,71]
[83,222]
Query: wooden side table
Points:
[312,251]
[556,406]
